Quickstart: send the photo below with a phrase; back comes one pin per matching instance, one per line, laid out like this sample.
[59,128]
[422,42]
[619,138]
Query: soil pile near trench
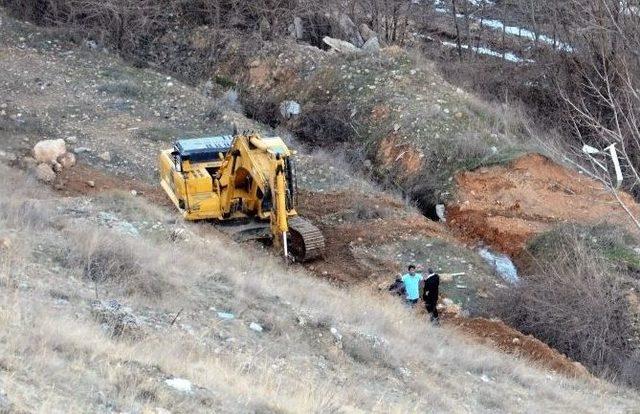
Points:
[496,333]
[505,206]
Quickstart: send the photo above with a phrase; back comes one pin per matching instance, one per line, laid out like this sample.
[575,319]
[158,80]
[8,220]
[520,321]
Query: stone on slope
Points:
[340,46]
[45,173]
[349,31]
[48,150]
[366,32]
[372,45]
[67,160]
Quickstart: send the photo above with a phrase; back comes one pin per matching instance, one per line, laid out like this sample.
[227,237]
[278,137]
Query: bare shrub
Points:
[110,260]
[324,125]
[576,299]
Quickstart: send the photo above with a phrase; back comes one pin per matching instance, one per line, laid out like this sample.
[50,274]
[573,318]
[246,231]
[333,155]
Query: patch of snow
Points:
[509,56]
[179,384]
[501,263]
[511,30]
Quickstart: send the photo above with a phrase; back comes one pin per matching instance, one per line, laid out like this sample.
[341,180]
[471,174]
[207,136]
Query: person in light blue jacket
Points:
[411,281]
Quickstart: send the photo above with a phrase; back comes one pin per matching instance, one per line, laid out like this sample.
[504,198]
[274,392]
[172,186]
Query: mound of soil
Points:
[507,205]
[507,339]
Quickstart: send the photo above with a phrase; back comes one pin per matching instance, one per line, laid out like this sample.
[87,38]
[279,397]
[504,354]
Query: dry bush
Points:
[576,298]
[111,261]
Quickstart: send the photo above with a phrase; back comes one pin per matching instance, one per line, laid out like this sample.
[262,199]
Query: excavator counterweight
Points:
[240,179]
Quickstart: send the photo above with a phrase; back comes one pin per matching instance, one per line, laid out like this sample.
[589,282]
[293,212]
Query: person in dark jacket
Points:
[397,287]
[430,296]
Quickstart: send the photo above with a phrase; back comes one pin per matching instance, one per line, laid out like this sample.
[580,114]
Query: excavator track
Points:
[306,242]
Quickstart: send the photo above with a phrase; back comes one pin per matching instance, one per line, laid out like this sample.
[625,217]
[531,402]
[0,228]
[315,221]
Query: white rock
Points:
[340,46]
[289,109]
[72,139]
[67,160]
[80,150]
[336,334]
[440,212]
[5,243]
[106,156]
[45,173]
[180,384]
[255,327]
[49,150]
[225,315]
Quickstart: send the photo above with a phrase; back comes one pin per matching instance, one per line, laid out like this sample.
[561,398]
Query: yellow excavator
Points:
[246,183]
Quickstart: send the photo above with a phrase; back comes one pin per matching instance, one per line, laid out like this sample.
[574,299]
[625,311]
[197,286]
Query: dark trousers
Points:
[411,302]
[432,308]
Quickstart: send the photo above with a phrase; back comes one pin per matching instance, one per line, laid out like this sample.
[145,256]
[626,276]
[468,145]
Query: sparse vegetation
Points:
[578,296]
[60,347]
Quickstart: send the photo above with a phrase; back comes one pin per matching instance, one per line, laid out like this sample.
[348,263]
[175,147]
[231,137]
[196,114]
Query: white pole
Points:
[616,164]
[284,244]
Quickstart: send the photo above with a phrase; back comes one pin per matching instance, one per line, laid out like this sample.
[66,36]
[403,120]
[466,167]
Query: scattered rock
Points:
[5,243]
[91,183]
[336,334]
[45,173]
[91,44]
[180,384]
[48,150]
[106,156]
[341,46]
[372,45]
[80,150]
[255,327]
[67,160]
[298,28]
[134,193]
[116,319]
[349,31]
[72,139]
[225,315]
[440,212]
[366,32]
[515,341]
[289,109]
[57,167]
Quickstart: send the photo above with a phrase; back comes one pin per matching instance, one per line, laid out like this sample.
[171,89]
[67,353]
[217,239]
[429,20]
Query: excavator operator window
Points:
[267,202]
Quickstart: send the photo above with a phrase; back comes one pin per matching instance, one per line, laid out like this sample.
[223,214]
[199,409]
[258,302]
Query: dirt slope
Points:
[505,206]
[370,237]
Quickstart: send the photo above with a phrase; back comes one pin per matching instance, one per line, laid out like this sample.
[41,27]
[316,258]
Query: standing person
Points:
[431,287]
[411,281]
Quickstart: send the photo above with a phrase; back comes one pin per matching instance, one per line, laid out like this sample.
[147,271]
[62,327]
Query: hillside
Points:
[112,304]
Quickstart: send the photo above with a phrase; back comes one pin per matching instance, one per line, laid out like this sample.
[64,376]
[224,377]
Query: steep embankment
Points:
[506,206]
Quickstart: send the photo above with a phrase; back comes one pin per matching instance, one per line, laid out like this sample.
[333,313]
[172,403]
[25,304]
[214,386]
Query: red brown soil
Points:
[392,153]
[505,206]
[75,181]
[507,339]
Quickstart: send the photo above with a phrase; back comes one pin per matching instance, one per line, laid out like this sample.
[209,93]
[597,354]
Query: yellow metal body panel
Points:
[245,183]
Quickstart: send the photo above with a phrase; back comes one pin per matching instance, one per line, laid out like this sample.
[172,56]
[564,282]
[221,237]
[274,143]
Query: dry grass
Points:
[55,358]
